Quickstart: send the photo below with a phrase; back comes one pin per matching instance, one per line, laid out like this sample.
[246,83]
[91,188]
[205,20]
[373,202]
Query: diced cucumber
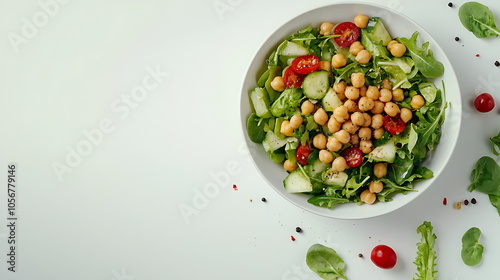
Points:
[316,167]
[260,101]
[293,49]
[375,48]
[297,182]
[384,153]
[377,31]
[333,177]
[271,143]
[331,101]
[316,84]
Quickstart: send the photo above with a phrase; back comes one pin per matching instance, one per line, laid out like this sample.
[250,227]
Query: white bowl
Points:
[398,26]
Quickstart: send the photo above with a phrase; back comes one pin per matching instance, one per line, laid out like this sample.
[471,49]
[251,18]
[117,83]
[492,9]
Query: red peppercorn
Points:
[445,201]
[292,238]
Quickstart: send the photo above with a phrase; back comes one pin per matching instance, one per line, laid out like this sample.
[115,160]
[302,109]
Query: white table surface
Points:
[122,116]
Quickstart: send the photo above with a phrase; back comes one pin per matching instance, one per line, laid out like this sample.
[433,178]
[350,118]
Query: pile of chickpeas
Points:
[359,119]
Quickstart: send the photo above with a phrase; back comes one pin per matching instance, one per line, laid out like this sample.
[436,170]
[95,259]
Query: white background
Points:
[146,191]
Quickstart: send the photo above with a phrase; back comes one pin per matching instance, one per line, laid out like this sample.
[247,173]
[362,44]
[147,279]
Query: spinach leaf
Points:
[422,57]
[255,128]
[478,19]
[495,201]
[426,255]
[485,176]
[495,142]
[325,262]
[472,251]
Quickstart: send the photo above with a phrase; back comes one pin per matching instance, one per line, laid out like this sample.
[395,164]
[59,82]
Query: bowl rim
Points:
[435,47]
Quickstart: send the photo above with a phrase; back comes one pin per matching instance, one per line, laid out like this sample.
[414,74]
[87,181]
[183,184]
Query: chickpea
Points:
[343,136]
[372,92]
[352,92]
[339,87]
[378,133]
[354,140]
[392,109]
[365,133]
[361,21]
[339,164]
[290,166]
[368,197]
[398,50]
[406,115]
[378,108]
[366,146]
[363,57]
[278,84]
[391,43]
[339,61]
[349,127]
[377,121]
[368,120]
[351,106]
[398,95]
[341,96]
[362,90]
[333,125]
[325,65]
[365,104]
[326,28]
[356,47]
[386,84]
[376,187]
[341,114]
[307,107]
[333,144]
[320,117]
[325,156]
[358,79]
[380,170]
[319,141]
[417,101]
[296,121]
[357,118]
[385,95]
[286,129]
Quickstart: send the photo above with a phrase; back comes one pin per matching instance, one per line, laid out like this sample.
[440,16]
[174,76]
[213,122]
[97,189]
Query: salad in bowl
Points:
[350,113]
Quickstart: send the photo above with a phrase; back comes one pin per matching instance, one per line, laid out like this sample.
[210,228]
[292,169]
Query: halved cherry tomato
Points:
[394,125]
[353,156]
[348,32]
[292,79]
[303,153]
[305,64]
[384,256]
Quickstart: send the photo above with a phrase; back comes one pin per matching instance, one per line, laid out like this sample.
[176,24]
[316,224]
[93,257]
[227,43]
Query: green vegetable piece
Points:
[261,82]
[478,19]
[422,57]
[260,101]
[472,251]
[495,142]
[485,176]
[325,262]
[495,201]
[428,91]
[273,72]
[287,103]
[426,255]
[255,128]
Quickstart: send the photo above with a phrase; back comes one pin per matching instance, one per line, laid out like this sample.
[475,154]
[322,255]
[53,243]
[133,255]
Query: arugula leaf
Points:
[426,255]
[327,200]
[495,142]
[423,57]
[287,103]
[325,262]
[478,19]
[472,251]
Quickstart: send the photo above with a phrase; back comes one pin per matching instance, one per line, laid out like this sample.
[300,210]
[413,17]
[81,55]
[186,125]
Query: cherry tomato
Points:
[305,64]
[292,79]
[353,156]
[394,125]
[383,256]
[484,102]
[302,154]
[348,32]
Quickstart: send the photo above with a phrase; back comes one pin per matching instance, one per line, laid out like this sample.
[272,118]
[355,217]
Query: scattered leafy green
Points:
[472,251]
[478,19]
[426,255]
[495,142]
[422,57]
[325,262]
[485,178]
[255,128]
